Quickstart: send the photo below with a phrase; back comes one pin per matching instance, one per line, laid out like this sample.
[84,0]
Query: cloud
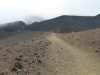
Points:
[31,19]
[14,10]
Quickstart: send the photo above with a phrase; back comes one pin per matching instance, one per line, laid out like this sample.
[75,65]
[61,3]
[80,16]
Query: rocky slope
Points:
[22,53]
[87,39]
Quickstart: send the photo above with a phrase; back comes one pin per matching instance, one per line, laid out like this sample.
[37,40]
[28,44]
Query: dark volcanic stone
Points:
[35,53]
[41,61]
[96,51]
[20,56]
[30,63]
[18,65]
[14,69]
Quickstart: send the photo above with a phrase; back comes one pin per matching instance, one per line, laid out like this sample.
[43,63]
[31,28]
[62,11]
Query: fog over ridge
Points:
[39,10]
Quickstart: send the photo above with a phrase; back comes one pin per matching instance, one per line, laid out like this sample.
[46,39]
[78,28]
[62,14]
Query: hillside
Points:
[88,39]
[67,23]
[12,26]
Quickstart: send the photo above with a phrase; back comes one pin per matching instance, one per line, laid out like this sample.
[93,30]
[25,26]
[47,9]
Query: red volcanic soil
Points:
[89,39]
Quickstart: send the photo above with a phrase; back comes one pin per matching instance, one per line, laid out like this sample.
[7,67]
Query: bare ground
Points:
[51,55]
[89,39]
[65,59]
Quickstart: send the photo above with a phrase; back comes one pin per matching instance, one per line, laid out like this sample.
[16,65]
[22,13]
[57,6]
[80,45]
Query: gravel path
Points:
[65,59]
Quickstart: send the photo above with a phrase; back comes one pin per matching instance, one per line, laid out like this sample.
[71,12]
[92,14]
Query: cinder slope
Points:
[89,39]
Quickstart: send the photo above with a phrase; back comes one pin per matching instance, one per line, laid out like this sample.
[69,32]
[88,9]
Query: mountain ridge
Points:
[66,23]
[63,24]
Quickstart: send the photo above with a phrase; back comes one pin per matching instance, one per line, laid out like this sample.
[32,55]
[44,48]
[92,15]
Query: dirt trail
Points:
[65,59]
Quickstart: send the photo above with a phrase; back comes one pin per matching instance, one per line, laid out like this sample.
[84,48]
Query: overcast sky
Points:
[37,10]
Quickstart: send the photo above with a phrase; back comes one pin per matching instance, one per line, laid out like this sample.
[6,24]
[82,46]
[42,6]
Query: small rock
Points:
[7,45]
[41,61]
[38,56]
[24,41]
[14,69]
[4,55]
[96,51]
[93,42]
[17,74]
[46,44]
[38,73]
[32,40]
[0,48]
[49,42]
[18,58]
[42,33]
[7,49]
[25,60]
[15,43]
[35,53]
[18,65]
[16,50]
[30,62]
[33,61]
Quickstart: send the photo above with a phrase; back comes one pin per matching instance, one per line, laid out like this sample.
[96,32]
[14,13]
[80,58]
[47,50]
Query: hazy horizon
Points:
[30,11]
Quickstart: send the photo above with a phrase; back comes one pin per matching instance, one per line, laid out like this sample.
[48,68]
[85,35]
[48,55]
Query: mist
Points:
[31,19]
[30,11]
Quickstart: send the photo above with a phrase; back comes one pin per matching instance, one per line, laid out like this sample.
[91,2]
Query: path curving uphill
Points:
[65,59]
